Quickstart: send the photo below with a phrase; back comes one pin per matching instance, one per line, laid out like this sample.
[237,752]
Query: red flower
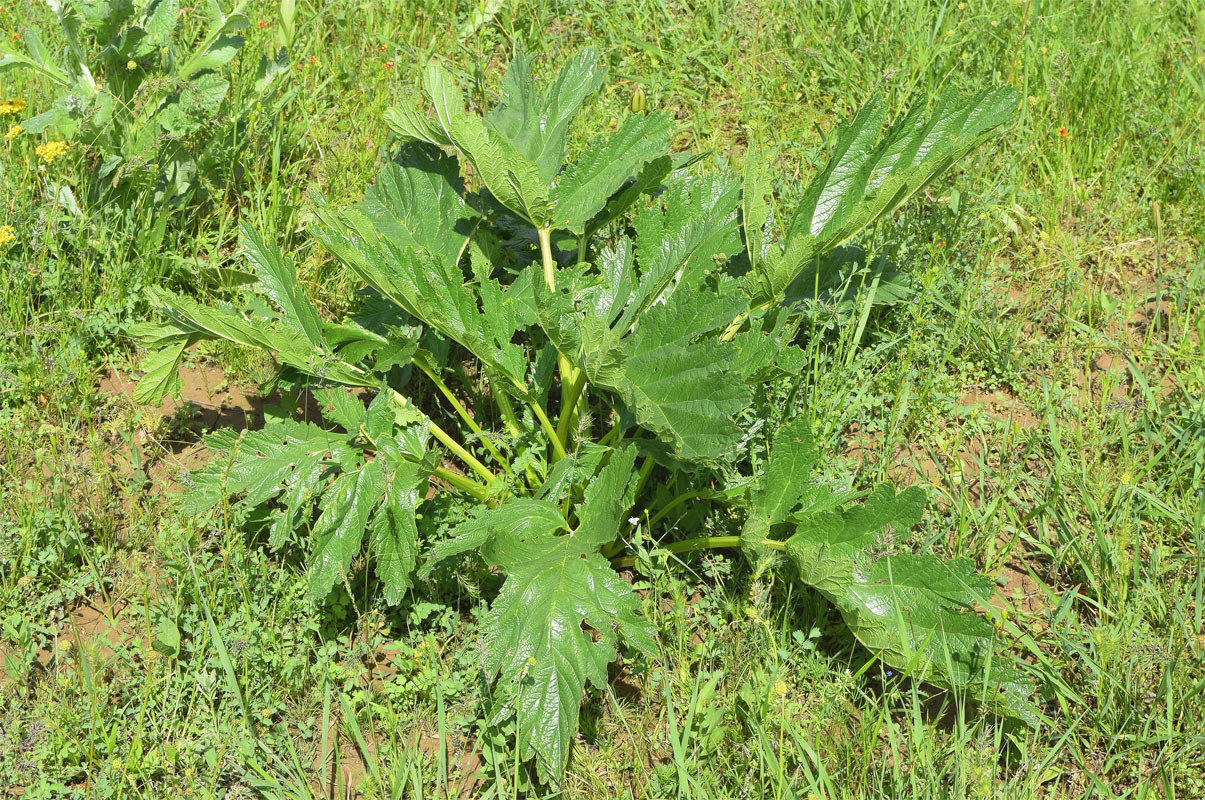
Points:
[1062,131]
[313,59]
[262,24]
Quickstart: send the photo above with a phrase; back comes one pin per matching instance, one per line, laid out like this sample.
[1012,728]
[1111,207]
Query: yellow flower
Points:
[13,132]
[7,237]
[51,150]
[12,105]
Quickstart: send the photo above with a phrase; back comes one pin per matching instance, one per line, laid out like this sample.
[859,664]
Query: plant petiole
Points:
[701,543]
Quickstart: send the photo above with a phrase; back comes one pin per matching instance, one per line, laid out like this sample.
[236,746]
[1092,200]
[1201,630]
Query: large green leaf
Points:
[862,182]
[916,611]
[393,534]
[607,163]
[339,530]
[554,625]
[783,480]
[417,202]
[278,279]
[677,377]
[536,122]
[161,371]
[437,293]
[194,106]
[260,465]
[692,226]
[513,179]
[406,241]
[255,328]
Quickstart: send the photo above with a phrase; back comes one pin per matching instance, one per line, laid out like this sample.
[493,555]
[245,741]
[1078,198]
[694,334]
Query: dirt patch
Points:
[94,631]
[166,445]
[207,400]
[999,405]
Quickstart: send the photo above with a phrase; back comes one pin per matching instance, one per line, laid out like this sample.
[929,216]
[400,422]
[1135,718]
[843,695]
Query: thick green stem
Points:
[461,482]
[464,414]
[646,469]
[558,447]
[545,237]
[569,408]
[447,441]
[672,504]
[702,543]
[567,370]
[508,413]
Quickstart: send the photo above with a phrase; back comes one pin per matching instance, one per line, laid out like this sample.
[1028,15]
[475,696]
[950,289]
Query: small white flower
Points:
[633,520]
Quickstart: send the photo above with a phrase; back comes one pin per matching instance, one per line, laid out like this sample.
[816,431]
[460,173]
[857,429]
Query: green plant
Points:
[585,340]
[149,97]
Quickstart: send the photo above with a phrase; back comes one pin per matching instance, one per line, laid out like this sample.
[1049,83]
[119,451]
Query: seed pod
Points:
[638,102]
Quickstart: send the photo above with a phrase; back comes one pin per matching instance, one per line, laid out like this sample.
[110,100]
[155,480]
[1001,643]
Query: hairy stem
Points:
[569,408]
[558,447]
[508,412]
[646,469]
[447,441]
[461,482]
[567,370]
[701,543]
[672,504]
[464,414]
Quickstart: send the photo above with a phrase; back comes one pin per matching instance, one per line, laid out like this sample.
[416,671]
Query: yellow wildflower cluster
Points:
[13,132]
[51,150]
[7,235]
[12,105]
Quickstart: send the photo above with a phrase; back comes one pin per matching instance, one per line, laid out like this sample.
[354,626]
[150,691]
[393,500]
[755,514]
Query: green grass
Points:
[1045,378]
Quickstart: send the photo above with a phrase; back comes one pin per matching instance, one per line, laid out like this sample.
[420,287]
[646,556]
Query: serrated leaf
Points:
[863,182]
[257,331]
[607,498]
[513,179]
[161,371]
[792,457]
[405,241]
[537,122]
[409,123]
[279,281]
[417,202]
[220,53]
[193,106]
[160,20]
[676,375]
[539,615]
[535,630]
[342,408]
[828,544]
[339,531]
[916,611]
[261,464]
[517,518]
[393,533]
[693,225]
[607,163]
[783,480]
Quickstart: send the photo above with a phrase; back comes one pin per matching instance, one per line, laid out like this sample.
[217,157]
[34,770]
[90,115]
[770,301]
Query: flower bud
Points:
[638,102]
